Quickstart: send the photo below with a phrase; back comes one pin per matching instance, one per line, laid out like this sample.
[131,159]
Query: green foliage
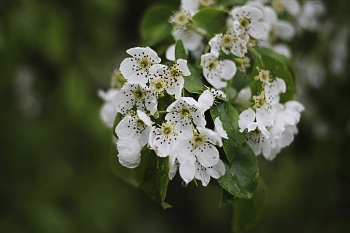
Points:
[229,118]
[152,175]
[232,2]
[155,26]
[180,52]
[213,21]
[242,176]
[246,212]
[194,83]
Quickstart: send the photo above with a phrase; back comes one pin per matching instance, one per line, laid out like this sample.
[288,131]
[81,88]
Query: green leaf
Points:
[213,21]
[278,65]
[229,118]
[180,52]
[194,83]
[152,174]
[125,174]
[246,212]
[155,26]
[226,198]
[231,2]
[241,178]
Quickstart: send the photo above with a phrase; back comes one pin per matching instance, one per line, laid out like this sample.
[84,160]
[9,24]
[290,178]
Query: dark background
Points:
[55,173]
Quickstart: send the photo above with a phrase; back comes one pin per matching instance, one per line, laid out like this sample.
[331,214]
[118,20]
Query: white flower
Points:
[230,42]
[108,111]
[258,142]
[191,40]
[310,12]
[198,157]
[133,132]
[247,19]
[136,126]
[135,69]
[134,94]
[169,78]
[217,72]
[291,6]
[183,112]
[247,121]
[164,140]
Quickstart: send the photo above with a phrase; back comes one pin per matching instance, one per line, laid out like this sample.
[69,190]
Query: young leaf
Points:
[229,118]
[213,21]
[241,178]
[194,83]
[180,52]
[279,67]
[155,26]
[152,174]
[246,212]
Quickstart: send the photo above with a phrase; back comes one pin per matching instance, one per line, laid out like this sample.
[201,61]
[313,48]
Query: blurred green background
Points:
[54,153]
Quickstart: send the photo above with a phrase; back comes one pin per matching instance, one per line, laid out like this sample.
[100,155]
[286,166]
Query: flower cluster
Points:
[182,134]
[164,107]
[270,125]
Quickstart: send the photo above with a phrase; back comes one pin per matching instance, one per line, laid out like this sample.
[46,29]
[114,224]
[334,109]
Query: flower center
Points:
[263,76]
[140,123]
[198,139]
[167,129]
[259,100]
[227,40]
[181,19]
[139,93]
[278,5]
[174,72]
[185,111]
[144,63]
[244,22]
[212,65]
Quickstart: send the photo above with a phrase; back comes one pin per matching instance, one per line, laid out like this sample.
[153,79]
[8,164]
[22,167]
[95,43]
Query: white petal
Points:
[285,30]
[245,118]
[187,169]
[126,67]
[219,129]
[212,136]
[129,152]
[202,174]
[257,30]
[176,89]
[170,53]
[144,118]
[142,52]
[207,154]
[229,69]
[108,113]
[218,170]
[183,67]
[206,100]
